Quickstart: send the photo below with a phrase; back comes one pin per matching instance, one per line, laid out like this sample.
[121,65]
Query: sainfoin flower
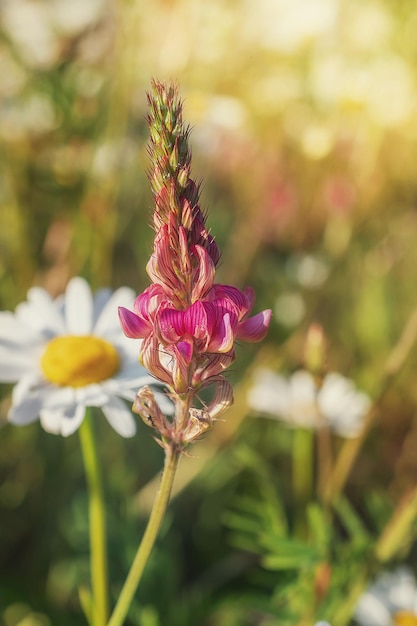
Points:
[187,321]
[68,354]
[299,401]
[390,601]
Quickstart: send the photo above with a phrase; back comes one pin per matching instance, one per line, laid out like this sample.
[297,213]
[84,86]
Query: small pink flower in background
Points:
[188,323]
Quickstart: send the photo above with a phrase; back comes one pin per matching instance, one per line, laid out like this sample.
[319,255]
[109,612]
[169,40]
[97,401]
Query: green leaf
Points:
[288,554]
[319,525]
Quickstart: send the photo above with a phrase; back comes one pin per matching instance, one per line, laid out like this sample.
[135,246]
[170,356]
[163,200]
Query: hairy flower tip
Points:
[169,152]
[176,193]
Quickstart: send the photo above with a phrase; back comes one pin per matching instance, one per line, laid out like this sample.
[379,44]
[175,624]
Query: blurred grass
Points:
[304,128]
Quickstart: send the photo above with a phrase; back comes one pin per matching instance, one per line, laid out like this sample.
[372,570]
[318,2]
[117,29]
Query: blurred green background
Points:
[304,129]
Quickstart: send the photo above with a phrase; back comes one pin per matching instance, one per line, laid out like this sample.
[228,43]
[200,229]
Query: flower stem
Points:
[303,469]
[158,511]
[397,534]
[98,550]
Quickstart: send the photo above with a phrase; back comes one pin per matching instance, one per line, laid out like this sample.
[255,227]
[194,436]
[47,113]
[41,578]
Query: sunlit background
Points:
[304,132]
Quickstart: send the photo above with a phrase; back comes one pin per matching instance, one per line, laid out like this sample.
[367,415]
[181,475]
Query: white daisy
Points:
[390,601]
[298,401]
[68,354]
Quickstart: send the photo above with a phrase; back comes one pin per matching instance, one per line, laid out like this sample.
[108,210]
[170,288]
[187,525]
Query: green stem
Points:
[158,511]
[345,609]
[98,551]
[398,533]
[303,467]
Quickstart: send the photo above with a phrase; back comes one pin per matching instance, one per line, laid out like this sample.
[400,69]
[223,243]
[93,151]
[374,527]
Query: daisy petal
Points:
[78,307]
[101,298]
[119,417]
[91,395]
[40,313]
[270,394]
[62,421]
[108,322]
[26,408]
[165,404]
[24,385]
[11,330]
[26,411]
[14,365]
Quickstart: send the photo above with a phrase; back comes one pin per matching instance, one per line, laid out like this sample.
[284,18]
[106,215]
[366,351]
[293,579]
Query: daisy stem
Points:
[303,463]
[172,453]
[98,557]
[398,532]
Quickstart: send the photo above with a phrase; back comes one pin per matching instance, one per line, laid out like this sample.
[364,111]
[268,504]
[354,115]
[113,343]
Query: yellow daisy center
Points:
[405,618]
[77,361]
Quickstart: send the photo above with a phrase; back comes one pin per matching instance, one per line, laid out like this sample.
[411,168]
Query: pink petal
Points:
[150,358]
[196,320]
[255,328]
[222,399]
[171,325]
[148,302]
[231,297]
[206,271]
[213,365]
[250,295]
[133,326]
[180,370]
[185,348]
[160,265]
[184,251]
[222,337]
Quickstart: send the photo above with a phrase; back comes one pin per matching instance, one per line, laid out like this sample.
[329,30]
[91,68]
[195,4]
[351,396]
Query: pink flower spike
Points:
[133,326]
[255,328]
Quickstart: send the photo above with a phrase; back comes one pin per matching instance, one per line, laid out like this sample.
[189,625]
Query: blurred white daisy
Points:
[298,401]
[390,601]
[68,354]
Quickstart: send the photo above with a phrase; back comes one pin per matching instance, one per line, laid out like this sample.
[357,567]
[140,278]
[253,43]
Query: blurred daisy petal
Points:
[299,401]
[63,421]
[108,321]
[390,599]
[78,307]
[119,417]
